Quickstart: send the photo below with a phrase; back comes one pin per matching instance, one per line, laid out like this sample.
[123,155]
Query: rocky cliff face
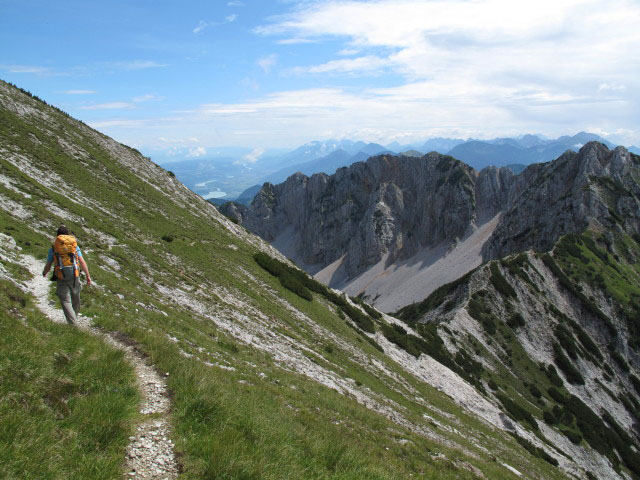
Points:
[595,186]
[374,218]
[389,206]
[553,337]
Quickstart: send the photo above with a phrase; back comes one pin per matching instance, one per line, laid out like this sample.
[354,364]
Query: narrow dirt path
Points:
[150,453]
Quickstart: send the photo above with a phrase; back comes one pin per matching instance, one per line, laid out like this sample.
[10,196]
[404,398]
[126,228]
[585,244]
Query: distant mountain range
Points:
[234,177]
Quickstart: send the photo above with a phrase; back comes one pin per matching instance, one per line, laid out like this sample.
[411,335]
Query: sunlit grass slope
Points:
[264,384]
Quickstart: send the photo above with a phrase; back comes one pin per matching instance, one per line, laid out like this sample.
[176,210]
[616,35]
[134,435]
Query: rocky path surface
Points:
[150,454]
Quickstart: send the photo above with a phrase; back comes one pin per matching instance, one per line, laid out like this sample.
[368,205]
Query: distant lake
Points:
[215,194]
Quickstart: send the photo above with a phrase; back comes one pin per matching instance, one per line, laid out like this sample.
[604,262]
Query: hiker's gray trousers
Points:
[69,294]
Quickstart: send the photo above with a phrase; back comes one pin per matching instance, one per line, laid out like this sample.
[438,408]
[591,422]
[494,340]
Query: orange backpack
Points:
[65,258]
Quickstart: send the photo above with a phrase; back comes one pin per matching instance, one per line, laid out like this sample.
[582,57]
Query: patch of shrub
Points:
[500,283]
[412,313]
[533,450]
[478,310]
[516,411]
[607,368]
[572,435]
[571,287]
[302,284]
[291,283]
[535,391]
[635,381]
[602,438]
[549,417]
[573,375]
[372,312]
[493,385]
[168,238]
[567,341]
[622,363]
[556,395]
[516,320]
[552,375]
[585,340]
[409,343]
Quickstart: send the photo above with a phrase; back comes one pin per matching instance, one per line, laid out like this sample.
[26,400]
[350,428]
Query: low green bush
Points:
[516,411]
[552,374]
[516,320]
[533,450]
[573,375]
[500,283]
[556,395]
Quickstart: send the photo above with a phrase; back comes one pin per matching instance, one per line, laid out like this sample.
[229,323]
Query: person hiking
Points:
[68,261]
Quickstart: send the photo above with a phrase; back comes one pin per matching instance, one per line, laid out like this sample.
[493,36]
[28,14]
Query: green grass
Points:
[67,401]
[257,417]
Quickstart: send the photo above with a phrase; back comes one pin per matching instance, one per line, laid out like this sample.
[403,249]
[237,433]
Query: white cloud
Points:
[457,60]
[143,98]
[108,106]
[202,24]
[196,152]
[251,157]
[33,69]
[268,62]
[78,92]
[136,64]
[611,87]
[362,65]
[294,41]
[235,3]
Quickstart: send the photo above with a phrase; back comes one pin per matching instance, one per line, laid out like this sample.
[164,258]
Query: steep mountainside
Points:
[271,375]
[396,228]
[554,337]
[596,187]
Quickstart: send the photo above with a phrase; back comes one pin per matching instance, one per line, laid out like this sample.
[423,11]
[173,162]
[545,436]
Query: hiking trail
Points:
[150,454]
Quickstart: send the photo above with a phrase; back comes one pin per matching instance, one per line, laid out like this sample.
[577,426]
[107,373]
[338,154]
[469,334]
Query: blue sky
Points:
[188,77]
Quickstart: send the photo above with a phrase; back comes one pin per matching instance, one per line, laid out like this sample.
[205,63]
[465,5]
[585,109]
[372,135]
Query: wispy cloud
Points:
[196,152]
[235,3]
[84,70]
[251,157]
[361,65]
[135,64]
[268,62]
[78,92]
[32,69]
[143,98]
[108,106]
[202,24]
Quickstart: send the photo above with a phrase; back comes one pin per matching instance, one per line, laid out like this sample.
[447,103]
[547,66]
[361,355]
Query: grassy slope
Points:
[253,418]
[66,400]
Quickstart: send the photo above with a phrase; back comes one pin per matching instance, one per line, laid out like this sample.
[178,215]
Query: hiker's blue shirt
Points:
[50,254]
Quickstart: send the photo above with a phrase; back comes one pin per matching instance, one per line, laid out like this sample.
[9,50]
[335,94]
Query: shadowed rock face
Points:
[389,205]
[395,206]
[595,187]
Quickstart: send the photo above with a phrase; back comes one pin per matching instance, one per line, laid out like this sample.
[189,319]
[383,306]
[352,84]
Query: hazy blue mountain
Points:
[440,145]
[246,197]
[634,149]
[526,150]
[516,168]
[412,153]
[329,163]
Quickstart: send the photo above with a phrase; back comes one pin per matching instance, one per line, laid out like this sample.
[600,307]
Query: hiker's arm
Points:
[47,267]
[85,269]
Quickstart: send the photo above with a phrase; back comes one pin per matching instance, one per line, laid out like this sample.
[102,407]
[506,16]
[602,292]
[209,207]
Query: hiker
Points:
[68,262]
